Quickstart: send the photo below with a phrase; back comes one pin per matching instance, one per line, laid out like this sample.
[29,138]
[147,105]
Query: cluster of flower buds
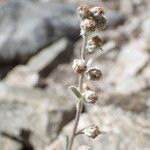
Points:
[91,18]
[91,131]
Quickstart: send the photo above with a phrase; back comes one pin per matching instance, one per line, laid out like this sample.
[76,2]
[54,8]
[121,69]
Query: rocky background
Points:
[38,41]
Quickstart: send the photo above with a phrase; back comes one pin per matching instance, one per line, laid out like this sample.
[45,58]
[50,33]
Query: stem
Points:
[84,46]
[79,104]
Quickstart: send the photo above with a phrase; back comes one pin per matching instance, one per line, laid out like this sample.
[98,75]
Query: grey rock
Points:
[126,7]
[145,29]
[50,57]
[126,75]
[133,57]
[7,144]
[33,111]
[22,73]
[146,73]
[136,102]
[115,18]
[44,60]
[27,27]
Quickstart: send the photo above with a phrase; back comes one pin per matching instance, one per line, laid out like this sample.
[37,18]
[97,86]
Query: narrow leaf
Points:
[76,92]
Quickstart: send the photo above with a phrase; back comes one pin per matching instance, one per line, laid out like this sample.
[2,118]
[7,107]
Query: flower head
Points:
[94,74]
[83,11]
[88,25]
[90,96]
[92,131]
[101,23]
[97,11]
[79,66]
[94,44]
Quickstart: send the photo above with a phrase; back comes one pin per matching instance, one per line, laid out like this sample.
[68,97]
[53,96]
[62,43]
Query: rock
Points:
[131,85]
[47,60]
[33,112]
[136,102]
[22,76]
[7,144]
[114,18]
[4,69]
[43,62]
[27,27]
[126,75]
[133,58]
[145,29]
[64,75]
[123,130]
[146,74]
[126,7]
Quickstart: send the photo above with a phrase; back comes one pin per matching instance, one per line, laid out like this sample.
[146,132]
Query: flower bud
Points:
[94,44]
[97,11]
[79,66]
[88,25]
[101,23]
[83,11]
[92,131]
[94,74]
[84,147]
[90,96]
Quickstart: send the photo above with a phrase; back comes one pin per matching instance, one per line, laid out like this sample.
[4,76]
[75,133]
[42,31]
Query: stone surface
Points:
[27,27]
[114,18]
[47,55]
[122,130]
[43,61]
[126,75]
[146,74]
[7,144]
[22,76]
[145,29]
[136,102]
[33,110]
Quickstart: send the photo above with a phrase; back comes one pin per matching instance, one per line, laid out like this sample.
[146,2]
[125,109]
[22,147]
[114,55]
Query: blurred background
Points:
[38,41]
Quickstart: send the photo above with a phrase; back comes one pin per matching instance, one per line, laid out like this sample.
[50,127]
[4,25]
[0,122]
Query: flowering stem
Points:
[80,103]
[84,46]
